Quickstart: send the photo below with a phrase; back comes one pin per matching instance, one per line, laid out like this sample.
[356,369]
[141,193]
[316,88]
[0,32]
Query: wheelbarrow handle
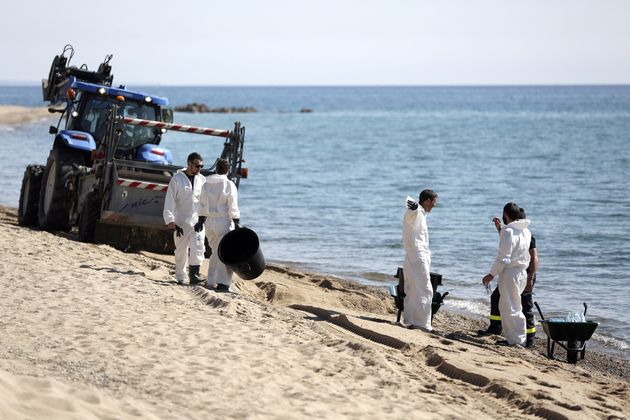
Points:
[585,308]
[539,311]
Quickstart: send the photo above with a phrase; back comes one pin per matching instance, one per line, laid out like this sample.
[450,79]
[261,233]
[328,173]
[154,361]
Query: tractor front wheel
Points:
[54,200]
[90,213]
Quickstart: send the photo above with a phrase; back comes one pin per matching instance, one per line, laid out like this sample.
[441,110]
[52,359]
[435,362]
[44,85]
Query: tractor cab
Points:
[91,118]
[88,95]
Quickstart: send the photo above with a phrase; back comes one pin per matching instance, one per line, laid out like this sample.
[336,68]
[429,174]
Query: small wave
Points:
[374,276]
[613,342]
[467,306]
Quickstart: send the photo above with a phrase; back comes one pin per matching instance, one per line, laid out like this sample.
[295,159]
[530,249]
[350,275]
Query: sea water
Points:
[326,189]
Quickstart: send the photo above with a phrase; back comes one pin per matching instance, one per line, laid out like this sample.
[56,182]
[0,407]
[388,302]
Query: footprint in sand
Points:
[547,384]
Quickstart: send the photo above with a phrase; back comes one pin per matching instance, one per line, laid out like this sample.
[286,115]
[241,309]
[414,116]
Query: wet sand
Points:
[92,332]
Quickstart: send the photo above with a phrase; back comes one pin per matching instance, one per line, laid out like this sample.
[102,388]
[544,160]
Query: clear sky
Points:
[323,42]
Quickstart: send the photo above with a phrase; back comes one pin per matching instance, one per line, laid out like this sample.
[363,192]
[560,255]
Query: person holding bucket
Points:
[219,204]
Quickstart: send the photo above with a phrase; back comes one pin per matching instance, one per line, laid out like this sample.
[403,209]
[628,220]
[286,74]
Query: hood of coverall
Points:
[216,178]
[519,224]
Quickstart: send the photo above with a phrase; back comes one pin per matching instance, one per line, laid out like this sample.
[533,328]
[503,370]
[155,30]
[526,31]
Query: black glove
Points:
[199,224]
[412,205]
[237,223]
[179,231]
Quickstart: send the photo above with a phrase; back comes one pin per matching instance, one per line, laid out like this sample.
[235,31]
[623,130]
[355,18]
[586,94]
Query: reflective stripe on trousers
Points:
[527,302]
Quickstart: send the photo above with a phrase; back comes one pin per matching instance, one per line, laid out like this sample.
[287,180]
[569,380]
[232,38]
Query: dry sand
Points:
[90,332]
[14,115]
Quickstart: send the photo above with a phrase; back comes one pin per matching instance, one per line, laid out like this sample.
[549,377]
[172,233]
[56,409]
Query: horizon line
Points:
[5,83]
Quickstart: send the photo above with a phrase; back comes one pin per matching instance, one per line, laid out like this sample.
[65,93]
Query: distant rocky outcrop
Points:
[199,108]
[306,110]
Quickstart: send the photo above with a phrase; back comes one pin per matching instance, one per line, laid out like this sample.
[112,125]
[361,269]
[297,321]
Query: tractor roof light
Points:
[120,98]
[101,91]
[148,99]
[71,94]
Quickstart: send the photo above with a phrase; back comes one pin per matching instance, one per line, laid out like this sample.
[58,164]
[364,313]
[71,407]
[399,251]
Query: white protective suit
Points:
[180,206]
[418,289]
[219,204]
[510,265]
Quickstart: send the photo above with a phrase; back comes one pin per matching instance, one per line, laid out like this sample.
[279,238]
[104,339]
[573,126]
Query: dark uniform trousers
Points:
[527,301]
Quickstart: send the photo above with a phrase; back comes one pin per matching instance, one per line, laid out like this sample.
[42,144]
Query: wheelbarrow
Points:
[398,293]
[575,334]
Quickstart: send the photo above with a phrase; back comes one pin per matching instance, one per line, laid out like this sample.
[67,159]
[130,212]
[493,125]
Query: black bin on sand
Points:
[240,250]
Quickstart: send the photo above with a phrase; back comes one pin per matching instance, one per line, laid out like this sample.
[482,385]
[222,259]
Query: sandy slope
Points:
[12,114]
[91,332]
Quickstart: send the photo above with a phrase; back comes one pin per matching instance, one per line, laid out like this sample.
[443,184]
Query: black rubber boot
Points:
[193,274]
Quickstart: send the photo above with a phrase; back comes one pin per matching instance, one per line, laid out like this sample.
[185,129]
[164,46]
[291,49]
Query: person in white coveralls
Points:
[418,289]
[511,265]
[219,203]
[180,214]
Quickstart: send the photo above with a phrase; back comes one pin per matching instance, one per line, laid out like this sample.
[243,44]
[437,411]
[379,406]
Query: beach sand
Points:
[14,115]
[88,331]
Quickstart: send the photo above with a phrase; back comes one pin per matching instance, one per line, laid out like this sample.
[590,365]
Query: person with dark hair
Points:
[510,265]
[180,214]
[219,203]
[527,300]
[418,289]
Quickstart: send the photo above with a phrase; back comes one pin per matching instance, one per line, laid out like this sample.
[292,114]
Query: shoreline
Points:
[92,331]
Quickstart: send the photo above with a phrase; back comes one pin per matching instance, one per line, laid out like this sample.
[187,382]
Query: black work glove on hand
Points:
[412,205]
[179,231]
[199,224]
[237,223]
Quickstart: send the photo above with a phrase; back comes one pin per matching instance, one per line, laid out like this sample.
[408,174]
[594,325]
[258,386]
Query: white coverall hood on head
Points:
[180,206]
[512,260]
[219,203]
[220,198]
[418,288]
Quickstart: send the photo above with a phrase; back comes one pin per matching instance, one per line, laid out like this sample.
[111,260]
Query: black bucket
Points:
[240,250]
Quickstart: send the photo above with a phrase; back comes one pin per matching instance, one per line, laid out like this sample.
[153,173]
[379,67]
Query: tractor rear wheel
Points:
[54,200]
[29,195]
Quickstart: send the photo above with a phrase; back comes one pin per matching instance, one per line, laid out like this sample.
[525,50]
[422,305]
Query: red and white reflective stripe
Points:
[143,185]
[177,127]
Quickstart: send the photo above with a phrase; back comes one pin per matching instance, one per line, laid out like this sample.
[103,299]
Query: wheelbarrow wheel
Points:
[572,353]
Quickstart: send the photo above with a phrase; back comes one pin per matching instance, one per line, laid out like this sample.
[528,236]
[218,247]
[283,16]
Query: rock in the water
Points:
[199,107]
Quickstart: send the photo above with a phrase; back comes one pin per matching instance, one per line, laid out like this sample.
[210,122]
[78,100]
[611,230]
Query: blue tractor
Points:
[102,174]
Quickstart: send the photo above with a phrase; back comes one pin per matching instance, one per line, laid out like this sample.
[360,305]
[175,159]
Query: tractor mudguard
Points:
[77,140]
[154,154]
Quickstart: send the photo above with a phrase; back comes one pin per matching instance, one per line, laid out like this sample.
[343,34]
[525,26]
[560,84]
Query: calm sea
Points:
[326,189]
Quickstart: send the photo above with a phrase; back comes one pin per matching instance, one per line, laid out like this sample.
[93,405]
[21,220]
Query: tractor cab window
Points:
[93,119]
[136,135]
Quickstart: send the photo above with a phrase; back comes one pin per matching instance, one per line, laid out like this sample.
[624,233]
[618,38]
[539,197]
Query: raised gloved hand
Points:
[179,231]
[237,223]
[412,205]
[199,225]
